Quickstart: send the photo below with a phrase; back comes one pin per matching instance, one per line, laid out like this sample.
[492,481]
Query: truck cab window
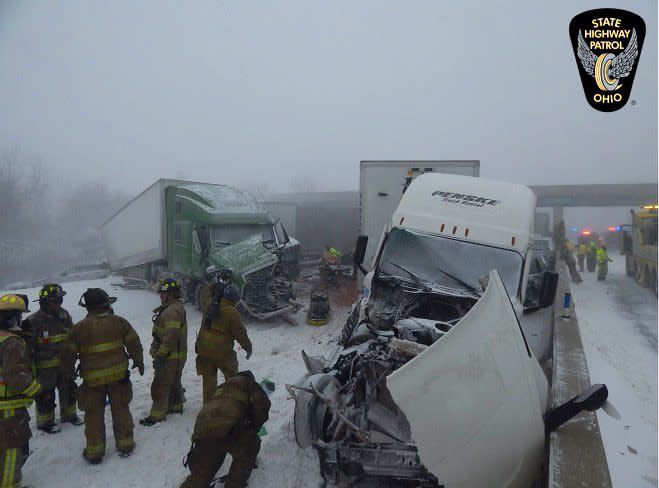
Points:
[227,235]
[178,207]
[450,263]
[195,242]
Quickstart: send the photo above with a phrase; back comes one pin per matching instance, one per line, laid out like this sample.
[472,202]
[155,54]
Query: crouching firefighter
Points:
[49,328]
[169,351]
[219,330]
[228,423]
[18,387]
[104,342]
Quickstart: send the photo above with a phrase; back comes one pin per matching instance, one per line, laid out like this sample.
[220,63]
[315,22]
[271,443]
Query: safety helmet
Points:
[247,373]
[51,291]
[231,293]
[169,284]
[13,302]
[96,297]
[11,308]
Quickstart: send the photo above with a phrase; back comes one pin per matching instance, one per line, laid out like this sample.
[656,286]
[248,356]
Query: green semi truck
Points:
[194,230]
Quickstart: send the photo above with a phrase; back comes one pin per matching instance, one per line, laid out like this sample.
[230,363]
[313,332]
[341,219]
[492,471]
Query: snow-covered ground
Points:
[618,322]
[56,461]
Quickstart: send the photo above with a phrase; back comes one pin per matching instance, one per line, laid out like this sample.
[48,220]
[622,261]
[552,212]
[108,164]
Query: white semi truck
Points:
[436,384]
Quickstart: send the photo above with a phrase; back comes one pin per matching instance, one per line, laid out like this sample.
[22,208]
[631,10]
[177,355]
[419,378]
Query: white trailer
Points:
[381,187]
[137,233]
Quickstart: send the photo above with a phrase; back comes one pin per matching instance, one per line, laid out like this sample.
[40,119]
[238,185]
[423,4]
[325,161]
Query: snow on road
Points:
[56,461]
[618,322]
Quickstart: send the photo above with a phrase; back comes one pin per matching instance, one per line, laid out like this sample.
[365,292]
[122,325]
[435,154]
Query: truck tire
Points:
[629,268]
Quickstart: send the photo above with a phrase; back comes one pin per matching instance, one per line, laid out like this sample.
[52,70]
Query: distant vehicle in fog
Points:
[78,273]
[639,245]
[17,285]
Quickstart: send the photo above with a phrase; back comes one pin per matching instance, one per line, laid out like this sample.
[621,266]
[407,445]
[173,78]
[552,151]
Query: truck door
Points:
[473,399]
[181,246]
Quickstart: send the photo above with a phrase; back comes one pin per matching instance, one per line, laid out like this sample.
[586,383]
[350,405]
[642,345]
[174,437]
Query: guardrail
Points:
[576,451]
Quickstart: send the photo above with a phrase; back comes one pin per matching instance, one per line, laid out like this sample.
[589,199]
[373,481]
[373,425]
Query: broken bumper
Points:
[393,461]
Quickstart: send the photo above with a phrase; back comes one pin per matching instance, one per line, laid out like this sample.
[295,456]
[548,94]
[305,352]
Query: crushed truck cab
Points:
[189,229]
[434,383]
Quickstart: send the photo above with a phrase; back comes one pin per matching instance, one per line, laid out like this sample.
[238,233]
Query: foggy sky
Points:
[261,92]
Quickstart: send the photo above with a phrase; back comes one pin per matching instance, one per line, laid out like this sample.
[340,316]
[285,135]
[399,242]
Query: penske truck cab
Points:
[436,384]
[450,231]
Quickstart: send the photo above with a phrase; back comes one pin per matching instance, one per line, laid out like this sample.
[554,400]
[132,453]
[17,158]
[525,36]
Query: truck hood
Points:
[473,399]
[244,256]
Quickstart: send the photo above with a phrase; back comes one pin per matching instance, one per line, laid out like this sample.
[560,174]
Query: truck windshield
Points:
[447,262]
[225,235]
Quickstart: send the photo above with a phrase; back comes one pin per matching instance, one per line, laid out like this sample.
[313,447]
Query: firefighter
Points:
[228,422]
[581,254]
[591,256]
[104,342]
[603,261]
[169,350]
[18,387]
[214,345]
[49,328]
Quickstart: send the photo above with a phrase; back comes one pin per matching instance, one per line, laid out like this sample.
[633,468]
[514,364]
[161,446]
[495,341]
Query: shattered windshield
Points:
[425,258]
[226,235]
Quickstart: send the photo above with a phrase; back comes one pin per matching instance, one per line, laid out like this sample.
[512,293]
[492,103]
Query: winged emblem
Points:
[607,68]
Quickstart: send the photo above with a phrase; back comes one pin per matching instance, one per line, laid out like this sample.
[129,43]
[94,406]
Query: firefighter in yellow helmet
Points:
[17,390]
[104,342]
[49,329]
[228,422]
[169,350]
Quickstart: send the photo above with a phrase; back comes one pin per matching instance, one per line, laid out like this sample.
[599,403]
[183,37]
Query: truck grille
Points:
[259,277]
[256,289]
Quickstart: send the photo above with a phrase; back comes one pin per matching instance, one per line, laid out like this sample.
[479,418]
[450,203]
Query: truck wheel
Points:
[645,280]
[628,266]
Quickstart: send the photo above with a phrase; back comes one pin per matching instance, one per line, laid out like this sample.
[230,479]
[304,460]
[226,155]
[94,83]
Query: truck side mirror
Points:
[590,399]
[548,289]
[360,253]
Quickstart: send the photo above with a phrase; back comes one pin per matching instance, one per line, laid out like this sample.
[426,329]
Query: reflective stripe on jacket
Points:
[170,331]
[225,329]
[103,342]
[17,383]
[50,332]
